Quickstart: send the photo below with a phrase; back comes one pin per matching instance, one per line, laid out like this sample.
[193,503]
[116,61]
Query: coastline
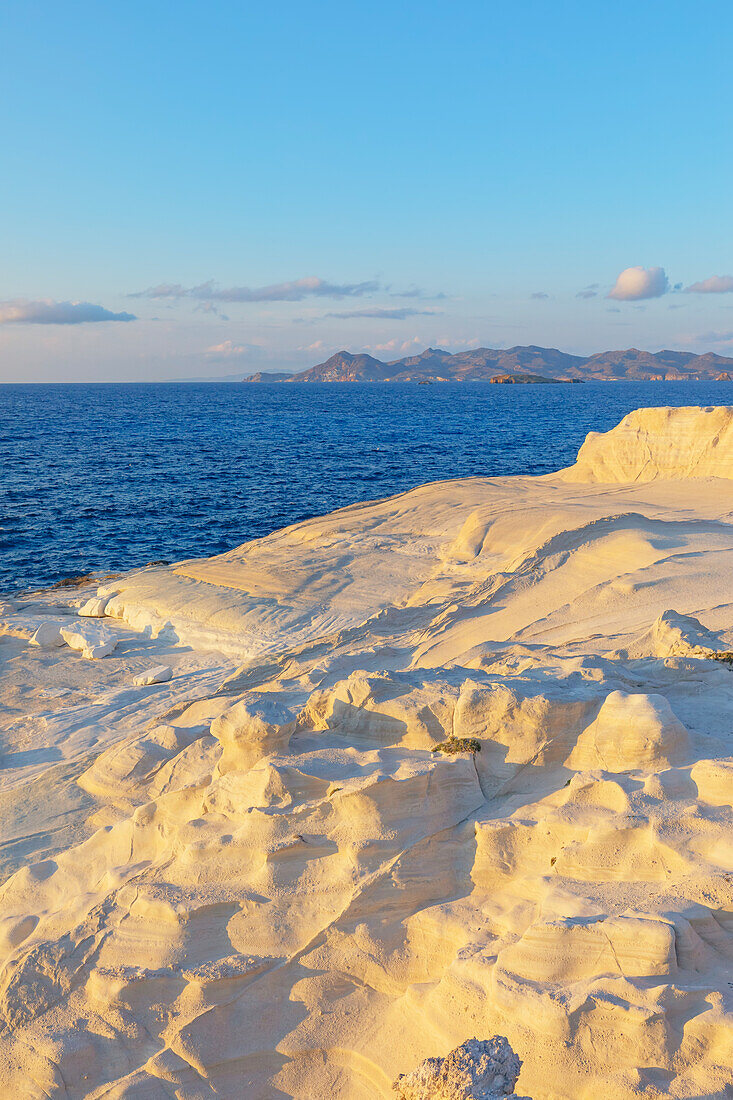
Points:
[261,875]
[191,470]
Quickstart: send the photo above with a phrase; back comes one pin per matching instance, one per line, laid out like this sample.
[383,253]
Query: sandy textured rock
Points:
[94,608]
[659,443]
[630,732]
[160,674]
[92,641]
[258,879]
[476,1070]
[48,635]
[675,635]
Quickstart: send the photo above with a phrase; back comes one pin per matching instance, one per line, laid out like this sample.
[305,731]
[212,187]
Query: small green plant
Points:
[458,744]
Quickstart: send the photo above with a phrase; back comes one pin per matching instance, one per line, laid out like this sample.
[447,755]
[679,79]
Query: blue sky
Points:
[297,178]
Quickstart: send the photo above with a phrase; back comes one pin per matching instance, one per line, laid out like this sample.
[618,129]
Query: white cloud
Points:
[20,311]
[458,342]
[163,290]
[294,291]
[386,313]
[705,339]
[716,284]
[539,295]
[229,350]
[209,307]
[400,345]
[416,292]
[635,283]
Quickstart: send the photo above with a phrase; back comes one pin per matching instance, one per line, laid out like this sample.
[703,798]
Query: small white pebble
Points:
[158,675]
[103,649]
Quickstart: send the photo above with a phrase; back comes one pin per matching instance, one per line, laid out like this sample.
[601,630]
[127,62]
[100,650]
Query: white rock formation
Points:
[631,732]
[714,782]
[261,880]
[478,1069]
[160,674]
[94,608]
[47,635]
[675,635]
[659,443]
[92,641]
[577,948]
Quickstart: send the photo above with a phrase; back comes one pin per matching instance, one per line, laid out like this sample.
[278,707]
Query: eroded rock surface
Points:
[479,1069]
[258,879]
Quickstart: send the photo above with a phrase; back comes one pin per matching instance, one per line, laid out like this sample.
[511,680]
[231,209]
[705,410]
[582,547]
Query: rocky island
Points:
[520,364]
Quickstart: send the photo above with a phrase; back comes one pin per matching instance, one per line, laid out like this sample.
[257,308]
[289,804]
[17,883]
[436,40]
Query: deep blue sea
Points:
[107,477]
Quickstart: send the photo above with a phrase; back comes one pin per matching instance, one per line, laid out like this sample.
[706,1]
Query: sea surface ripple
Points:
[106,477]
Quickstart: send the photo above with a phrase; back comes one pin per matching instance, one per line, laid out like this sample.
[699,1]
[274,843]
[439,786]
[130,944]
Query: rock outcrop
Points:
[478,1069]
[523,379]
[259,879]
[92,641]
[663,443]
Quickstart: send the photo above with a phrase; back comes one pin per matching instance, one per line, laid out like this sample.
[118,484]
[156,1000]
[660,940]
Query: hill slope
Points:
[483,364]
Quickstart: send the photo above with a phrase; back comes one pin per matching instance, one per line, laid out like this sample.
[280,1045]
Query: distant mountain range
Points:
[520,364]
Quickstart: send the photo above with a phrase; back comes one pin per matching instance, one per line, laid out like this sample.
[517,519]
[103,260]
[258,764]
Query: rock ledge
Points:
[479,1069]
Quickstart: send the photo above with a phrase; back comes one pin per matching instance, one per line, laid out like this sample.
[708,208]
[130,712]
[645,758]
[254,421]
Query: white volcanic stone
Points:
[158,675]
[47,635]
[277,810]
[675,635]
[574,949]
[92,641]
[714,781]
[631,732]
[101,649]
[659,443]
[478,1069]
[95,607]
